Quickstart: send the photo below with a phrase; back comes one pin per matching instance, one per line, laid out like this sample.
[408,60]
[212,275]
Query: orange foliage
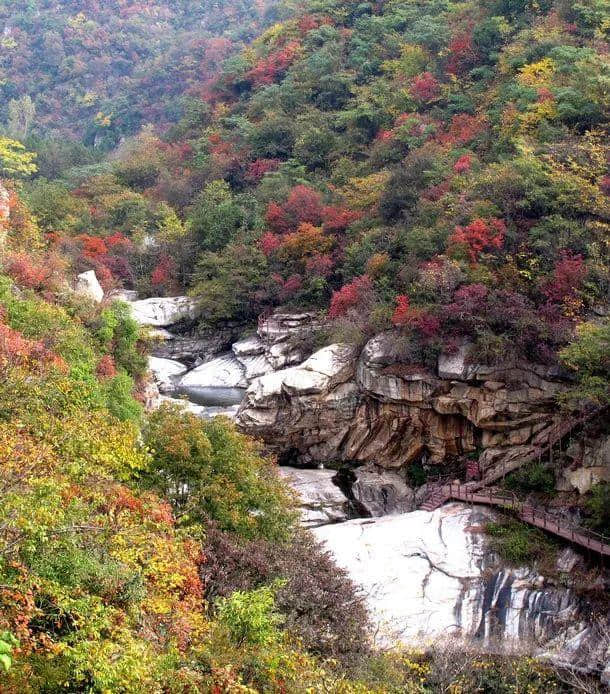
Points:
[463,129]
[17,350]
[269,68]
[106,367]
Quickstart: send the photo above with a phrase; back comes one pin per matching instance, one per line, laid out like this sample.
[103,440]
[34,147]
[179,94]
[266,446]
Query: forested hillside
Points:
[100,70]
[437,166]
[431,167]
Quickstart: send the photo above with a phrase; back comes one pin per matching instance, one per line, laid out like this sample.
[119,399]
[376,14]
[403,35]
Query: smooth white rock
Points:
[330,360]
[321,500]
[312,376]
[161,312]
[222,372]
[249,346]
[166,372]
[255,366]
[88,285]
[392,560]
[454,366]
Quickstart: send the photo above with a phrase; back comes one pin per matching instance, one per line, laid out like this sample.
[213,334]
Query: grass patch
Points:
[518,543]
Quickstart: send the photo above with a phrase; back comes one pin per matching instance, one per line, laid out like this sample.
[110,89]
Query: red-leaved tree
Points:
[425,87]
[350,296]
[463,164]
[567,278]
[479,236]
[402,310]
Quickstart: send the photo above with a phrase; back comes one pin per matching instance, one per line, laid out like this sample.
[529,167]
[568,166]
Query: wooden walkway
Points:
[473,494]
[480,491]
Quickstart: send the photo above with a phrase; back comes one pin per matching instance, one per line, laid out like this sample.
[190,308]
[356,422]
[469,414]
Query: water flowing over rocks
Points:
[378,408]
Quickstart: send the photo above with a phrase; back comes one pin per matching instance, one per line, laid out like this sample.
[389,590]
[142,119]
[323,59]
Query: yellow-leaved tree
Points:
[15,160]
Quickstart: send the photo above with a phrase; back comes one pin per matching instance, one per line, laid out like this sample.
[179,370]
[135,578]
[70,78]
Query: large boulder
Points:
[311,404]
[251,354]
[287,337]
[432,576]
[376,492]
[166,372]
[281,340]
[161,312]
[321,501]
[88,285]
[222,372]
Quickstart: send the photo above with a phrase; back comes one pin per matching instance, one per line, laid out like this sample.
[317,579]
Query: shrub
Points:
[516,542]
[354,295]
[589,357]
[598,505]
[251,617]
[532,478]
[319,603]
[119,397]
[209,471]
[479,236]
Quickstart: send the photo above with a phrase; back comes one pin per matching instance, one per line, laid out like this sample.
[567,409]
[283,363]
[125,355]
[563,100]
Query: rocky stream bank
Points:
[424,575]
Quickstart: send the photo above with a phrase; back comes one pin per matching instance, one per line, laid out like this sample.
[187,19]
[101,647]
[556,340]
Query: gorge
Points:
[347,425]
[304,347]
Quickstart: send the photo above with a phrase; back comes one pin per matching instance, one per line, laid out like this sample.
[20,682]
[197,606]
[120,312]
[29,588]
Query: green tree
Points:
[207,470]
[226,283]
[218,216]
[589,357]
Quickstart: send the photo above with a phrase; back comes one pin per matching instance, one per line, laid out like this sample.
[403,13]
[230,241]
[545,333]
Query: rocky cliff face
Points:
[424,576]
[375,407]
[431,576]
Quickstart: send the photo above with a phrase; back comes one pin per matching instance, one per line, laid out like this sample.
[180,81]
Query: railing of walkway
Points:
[530,514]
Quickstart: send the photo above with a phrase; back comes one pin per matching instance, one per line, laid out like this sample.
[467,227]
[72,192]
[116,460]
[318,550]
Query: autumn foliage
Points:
[479,236]
[350,296]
